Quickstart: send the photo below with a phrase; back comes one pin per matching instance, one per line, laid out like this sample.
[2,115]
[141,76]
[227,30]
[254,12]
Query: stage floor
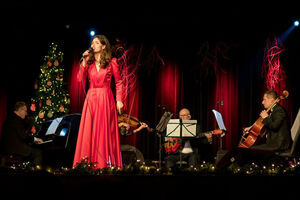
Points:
[147,186]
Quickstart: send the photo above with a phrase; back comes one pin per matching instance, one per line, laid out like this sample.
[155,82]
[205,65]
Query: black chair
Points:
[295,132]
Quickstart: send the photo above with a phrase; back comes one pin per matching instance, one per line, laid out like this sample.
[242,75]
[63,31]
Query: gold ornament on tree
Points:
[48,102]
[32,107]
[56,63]
[61,108]
[49,83]
[49,63]
[50,114]
[43,70]
[41,115]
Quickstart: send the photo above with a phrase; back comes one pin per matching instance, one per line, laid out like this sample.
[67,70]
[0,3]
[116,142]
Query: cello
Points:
[257,130]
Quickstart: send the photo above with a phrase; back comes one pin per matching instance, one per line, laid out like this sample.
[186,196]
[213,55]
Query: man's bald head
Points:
[184,114]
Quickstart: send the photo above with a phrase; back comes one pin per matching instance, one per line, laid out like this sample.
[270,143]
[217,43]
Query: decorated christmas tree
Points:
[51,99]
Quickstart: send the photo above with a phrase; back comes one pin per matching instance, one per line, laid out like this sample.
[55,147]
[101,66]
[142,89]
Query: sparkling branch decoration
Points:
[51,100]
[272,67]
[85,167]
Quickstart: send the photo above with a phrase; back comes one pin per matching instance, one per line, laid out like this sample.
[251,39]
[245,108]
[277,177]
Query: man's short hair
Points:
[271,94]
[19,105]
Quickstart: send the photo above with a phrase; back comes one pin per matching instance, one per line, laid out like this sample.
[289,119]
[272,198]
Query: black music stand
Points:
[175,129]
[161,126]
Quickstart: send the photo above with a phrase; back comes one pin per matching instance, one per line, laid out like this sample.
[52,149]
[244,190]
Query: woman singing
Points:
[98,136]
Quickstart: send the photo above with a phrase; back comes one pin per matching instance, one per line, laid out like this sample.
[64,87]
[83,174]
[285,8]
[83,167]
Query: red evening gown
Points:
[98,136]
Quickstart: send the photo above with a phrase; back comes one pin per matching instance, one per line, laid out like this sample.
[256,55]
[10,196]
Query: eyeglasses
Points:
[188,115]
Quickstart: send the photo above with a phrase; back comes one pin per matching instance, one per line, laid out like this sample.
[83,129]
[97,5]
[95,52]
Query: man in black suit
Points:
[277,135]
[16,139]
[278,132]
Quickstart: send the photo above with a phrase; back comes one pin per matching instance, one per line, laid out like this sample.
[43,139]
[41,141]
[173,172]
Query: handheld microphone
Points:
[90,51]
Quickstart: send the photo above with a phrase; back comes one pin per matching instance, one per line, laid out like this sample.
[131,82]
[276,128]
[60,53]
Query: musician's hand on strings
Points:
[120,106]
[208,136]
[143,125]
[264,114]
[127,126]
[246,130]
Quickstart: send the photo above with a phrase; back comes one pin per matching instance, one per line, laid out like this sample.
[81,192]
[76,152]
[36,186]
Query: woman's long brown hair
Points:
[105,54]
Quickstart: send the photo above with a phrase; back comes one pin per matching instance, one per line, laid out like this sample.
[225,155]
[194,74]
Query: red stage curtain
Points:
[169,90]
[133,100]
[76,91]
[226,101]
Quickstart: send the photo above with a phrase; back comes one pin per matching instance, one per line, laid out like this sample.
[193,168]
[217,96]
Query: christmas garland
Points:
[137,168]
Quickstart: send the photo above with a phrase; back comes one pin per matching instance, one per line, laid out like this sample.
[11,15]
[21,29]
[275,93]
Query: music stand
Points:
[221,125]
[161,126]
[181,128]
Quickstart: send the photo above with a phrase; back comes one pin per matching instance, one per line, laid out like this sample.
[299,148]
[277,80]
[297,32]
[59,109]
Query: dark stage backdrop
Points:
[219,75]
[205,67]
[3,109]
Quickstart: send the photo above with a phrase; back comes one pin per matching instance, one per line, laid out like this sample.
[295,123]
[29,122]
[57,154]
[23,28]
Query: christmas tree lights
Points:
[51,100]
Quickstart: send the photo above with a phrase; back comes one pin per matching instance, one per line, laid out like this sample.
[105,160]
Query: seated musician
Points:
[125,130]
[190,156]
[16,138]
[277,135]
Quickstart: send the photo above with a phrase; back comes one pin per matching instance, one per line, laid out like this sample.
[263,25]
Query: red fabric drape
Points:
[132,107]
[226,101]
[274,72]
[76,91]
[169,88]
[3,109]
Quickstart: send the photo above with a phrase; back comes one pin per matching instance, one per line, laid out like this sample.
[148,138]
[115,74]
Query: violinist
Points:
[129,125]
[276,123]
[125,128]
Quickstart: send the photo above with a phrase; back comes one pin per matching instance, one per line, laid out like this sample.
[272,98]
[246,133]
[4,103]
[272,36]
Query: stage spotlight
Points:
[92,33]
[296,23]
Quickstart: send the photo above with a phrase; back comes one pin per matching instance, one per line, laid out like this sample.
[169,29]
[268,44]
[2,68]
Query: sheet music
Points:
[53,126]
[188,128]
[219,119]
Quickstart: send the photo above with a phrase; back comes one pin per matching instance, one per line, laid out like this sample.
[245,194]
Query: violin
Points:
[257,130]
[131,121]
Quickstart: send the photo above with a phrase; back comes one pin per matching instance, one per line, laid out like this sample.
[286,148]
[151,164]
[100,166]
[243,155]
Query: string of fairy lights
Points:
[51,99]
[85,167]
